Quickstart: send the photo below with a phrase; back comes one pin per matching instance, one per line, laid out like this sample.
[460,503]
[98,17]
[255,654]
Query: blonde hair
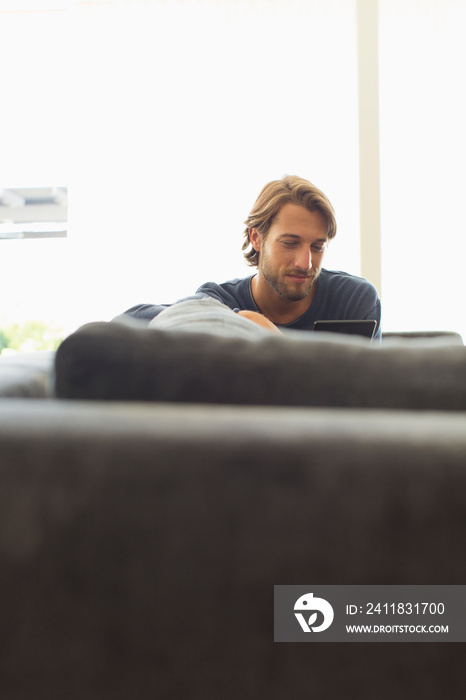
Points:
[271,199]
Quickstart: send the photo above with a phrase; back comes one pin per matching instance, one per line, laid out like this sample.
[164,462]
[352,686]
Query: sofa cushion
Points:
[445,337]
[115,361]
[27,374]
[139,547]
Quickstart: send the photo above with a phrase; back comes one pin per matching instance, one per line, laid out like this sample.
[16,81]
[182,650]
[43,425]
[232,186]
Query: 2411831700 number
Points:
[405,608]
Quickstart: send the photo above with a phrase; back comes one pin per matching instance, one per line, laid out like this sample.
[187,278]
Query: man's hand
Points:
[261,320]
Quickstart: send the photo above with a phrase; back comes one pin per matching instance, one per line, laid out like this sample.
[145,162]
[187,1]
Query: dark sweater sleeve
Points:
[146,312]
[234,294]
[376,313]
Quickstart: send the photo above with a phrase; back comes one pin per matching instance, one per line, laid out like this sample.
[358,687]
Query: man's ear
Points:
[255,238]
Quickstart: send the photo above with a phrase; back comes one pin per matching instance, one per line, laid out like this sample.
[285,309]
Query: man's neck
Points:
[273,306]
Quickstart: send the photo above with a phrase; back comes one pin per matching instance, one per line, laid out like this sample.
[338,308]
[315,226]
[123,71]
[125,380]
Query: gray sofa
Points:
[154,487]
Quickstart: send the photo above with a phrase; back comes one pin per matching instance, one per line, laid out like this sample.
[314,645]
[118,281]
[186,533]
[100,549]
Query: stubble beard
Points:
[284,286]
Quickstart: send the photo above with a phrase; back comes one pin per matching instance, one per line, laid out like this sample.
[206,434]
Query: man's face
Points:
[291,256]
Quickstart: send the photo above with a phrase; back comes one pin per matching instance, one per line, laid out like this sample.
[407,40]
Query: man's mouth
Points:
[300,278]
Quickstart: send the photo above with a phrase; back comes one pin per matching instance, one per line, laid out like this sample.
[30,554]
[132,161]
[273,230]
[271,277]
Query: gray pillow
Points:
[129,362]
[27,374]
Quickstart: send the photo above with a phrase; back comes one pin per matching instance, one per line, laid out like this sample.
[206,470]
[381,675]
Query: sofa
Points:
[155,486]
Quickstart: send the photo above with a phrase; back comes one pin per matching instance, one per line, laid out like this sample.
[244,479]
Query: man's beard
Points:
[283,285]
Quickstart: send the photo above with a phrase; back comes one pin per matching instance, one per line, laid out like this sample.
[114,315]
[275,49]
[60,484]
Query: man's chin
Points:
[296,296]
[288,289]
[290,294]
[297,291]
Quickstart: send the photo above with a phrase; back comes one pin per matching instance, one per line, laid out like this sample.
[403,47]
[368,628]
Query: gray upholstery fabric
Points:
[139,547]
[448,337]
[126,362]
[27,374]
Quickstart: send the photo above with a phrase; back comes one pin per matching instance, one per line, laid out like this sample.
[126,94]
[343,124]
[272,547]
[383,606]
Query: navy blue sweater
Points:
[339,296]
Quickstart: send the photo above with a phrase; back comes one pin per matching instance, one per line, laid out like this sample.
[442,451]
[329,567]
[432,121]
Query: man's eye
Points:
[289,244]
[317,248]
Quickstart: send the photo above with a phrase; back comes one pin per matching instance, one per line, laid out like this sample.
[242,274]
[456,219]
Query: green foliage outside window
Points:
[30,336]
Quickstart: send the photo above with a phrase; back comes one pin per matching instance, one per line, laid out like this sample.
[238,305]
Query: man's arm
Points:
[376,314]
[146,312]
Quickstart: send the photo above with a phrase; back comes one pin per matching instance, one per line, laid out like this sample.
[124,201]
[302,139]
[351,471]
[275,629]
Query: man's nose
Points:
[303,259]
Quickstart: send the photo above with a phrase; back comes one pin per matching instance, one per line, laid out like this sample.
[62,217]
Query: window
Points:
[33,212]
[164,118]
[423,151]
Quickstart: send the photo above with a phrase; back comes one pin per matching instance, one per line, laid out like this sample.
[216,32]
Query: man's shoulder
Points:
[236,283]
[234,293]
[341,295]
[341,277]
[337,280]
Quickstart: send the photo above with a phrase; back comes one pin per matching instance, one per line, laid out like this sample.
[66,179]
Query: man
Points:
[286,235]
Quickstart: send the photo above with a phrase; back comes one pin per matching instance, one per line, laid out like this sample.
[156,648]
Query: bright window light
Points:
[423,151]
[165,119]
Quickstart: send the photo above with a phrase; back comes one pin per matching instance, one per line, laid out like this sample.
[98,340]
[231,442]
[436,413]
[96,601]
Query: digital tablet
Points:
[363,327]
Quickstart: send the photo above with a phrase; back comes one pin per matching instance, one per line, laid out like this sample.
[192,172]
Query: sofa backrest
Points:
[113,361]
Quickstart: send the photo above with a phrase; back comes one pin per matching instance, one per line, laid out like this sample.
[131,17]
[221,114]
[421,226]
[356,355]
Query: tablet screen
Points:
[363,327]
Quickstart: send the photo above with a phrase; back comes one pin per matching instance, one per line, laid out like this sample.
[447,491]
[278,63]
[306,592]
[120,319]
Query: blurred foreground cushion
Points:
[130,362]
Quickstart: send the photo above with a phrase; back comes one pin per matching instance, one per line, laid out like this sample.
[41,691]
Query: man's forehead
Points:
[299,223]
[294,214]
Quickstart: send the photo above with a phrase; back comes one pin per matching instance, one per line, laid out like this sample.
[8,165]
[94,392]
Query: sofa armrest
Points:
[27,374]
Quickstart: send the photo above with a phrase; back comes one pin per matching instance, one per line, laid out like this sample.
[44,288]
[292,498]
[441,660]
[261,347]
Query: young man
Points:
[286,236]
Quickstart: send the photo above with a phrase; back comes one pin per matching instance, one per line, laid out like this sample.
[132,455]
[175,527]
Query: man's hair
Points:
[271,199]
